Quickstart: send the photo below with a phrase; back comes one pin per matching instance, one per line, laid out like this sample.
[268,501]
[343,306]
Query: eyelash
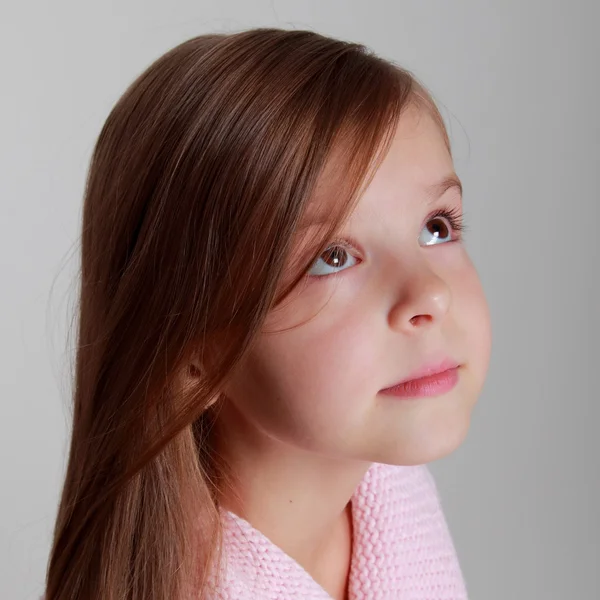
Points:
[454,216]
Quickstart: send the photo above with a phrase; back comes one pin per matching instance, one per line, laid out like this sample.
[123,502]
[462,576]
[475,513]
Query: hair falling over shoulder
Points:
[197,184]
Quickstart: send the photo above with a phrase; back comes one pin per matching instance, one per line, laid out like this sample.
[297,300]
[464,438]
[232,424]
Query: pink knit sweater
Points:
[402,547]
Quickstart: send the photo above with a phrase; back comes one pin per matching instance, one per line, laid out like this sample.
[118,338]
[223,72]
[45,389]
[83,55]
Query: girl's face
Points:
[397,299]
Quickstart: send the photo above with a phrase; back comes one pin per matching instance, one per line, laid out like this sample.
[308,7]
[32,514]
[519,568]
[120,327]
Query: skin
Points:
[303,419]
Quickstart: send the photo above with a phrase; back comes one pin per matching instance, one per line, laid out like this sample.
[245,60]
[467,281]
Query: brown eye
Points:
[335,259]
[446,225]
[436,231]
[438,228]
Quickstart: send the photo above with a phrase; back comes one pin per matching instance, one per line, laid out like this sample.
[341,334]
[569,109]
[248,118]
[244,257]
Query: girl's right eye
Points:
[335,257]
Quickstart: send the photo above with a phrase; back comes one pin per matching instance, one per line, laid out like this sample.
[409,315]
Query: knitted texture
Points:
[402,547]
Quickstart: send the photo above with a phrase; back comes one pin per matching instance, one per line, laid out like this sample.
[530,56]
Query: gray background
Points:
[518,83]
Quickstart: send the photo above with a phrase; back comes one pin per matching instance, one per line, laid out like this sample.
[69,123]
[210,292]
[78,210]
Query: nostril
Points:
[416,320]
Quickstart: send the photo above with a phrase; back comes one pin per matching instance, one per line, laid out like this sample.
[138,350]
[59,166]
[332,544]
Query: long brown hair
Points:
[197,185]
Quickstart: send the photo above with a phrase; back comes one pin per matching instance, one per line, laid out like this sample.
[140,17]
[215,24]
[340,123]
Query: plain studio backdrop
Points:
[517,82]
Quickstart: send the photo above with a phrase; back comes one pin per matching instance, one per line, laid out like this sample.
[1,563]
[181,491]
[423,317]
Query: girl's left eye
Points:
[434,232]
[436,228]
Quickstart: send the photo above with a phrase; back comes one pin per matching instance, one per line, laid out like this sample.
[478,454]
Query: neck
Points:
[298,499]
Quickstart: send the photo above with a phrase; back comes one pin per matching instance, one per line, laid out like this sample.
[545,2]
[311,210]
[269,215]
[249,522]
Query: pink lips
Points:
[433,379]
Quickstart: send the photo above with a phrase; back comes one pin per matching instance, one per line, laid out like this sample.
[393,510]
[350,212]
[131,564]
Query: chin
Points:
[424,445]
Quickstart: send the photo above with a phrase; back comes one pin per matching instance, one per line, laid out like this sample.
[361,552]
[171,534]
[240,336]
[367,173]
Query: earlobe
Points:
[213,401]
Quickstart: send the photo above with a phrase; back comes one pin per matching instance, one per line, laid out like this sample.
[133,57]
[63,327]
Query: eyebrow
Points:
[433,192]
[438,189]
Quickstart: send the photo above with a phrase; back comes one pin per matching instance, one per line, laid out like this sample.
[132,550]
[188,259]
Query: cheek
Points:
[297,383]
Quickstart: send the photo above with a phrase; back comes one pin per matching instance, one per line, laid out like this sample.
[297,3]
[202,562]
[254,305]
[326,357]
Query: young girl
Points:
[279,326]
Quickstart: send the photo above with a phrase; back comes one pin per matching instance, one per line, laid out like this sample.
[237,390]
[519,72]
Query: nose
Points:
[424,300]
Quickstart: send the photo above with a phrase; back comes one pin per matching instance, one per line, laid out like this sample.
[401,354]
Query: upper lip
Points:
[432,367]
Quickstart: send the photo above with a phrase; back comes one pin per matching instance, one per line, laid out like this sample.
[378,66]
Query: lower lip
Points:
[432,385]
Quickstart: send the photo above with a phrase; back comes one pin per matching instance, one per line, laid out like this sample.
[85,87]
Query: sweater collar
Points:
[401,547]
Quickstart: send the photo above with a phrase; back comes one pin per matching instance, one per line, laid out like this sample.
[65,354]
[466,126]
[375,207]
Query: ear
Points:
[191,374]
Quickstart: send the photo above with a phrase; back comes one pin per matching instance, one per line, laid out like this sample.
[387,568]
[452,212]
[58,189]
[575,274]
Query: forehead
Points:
[417,169]
[418,155]
[418,165]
